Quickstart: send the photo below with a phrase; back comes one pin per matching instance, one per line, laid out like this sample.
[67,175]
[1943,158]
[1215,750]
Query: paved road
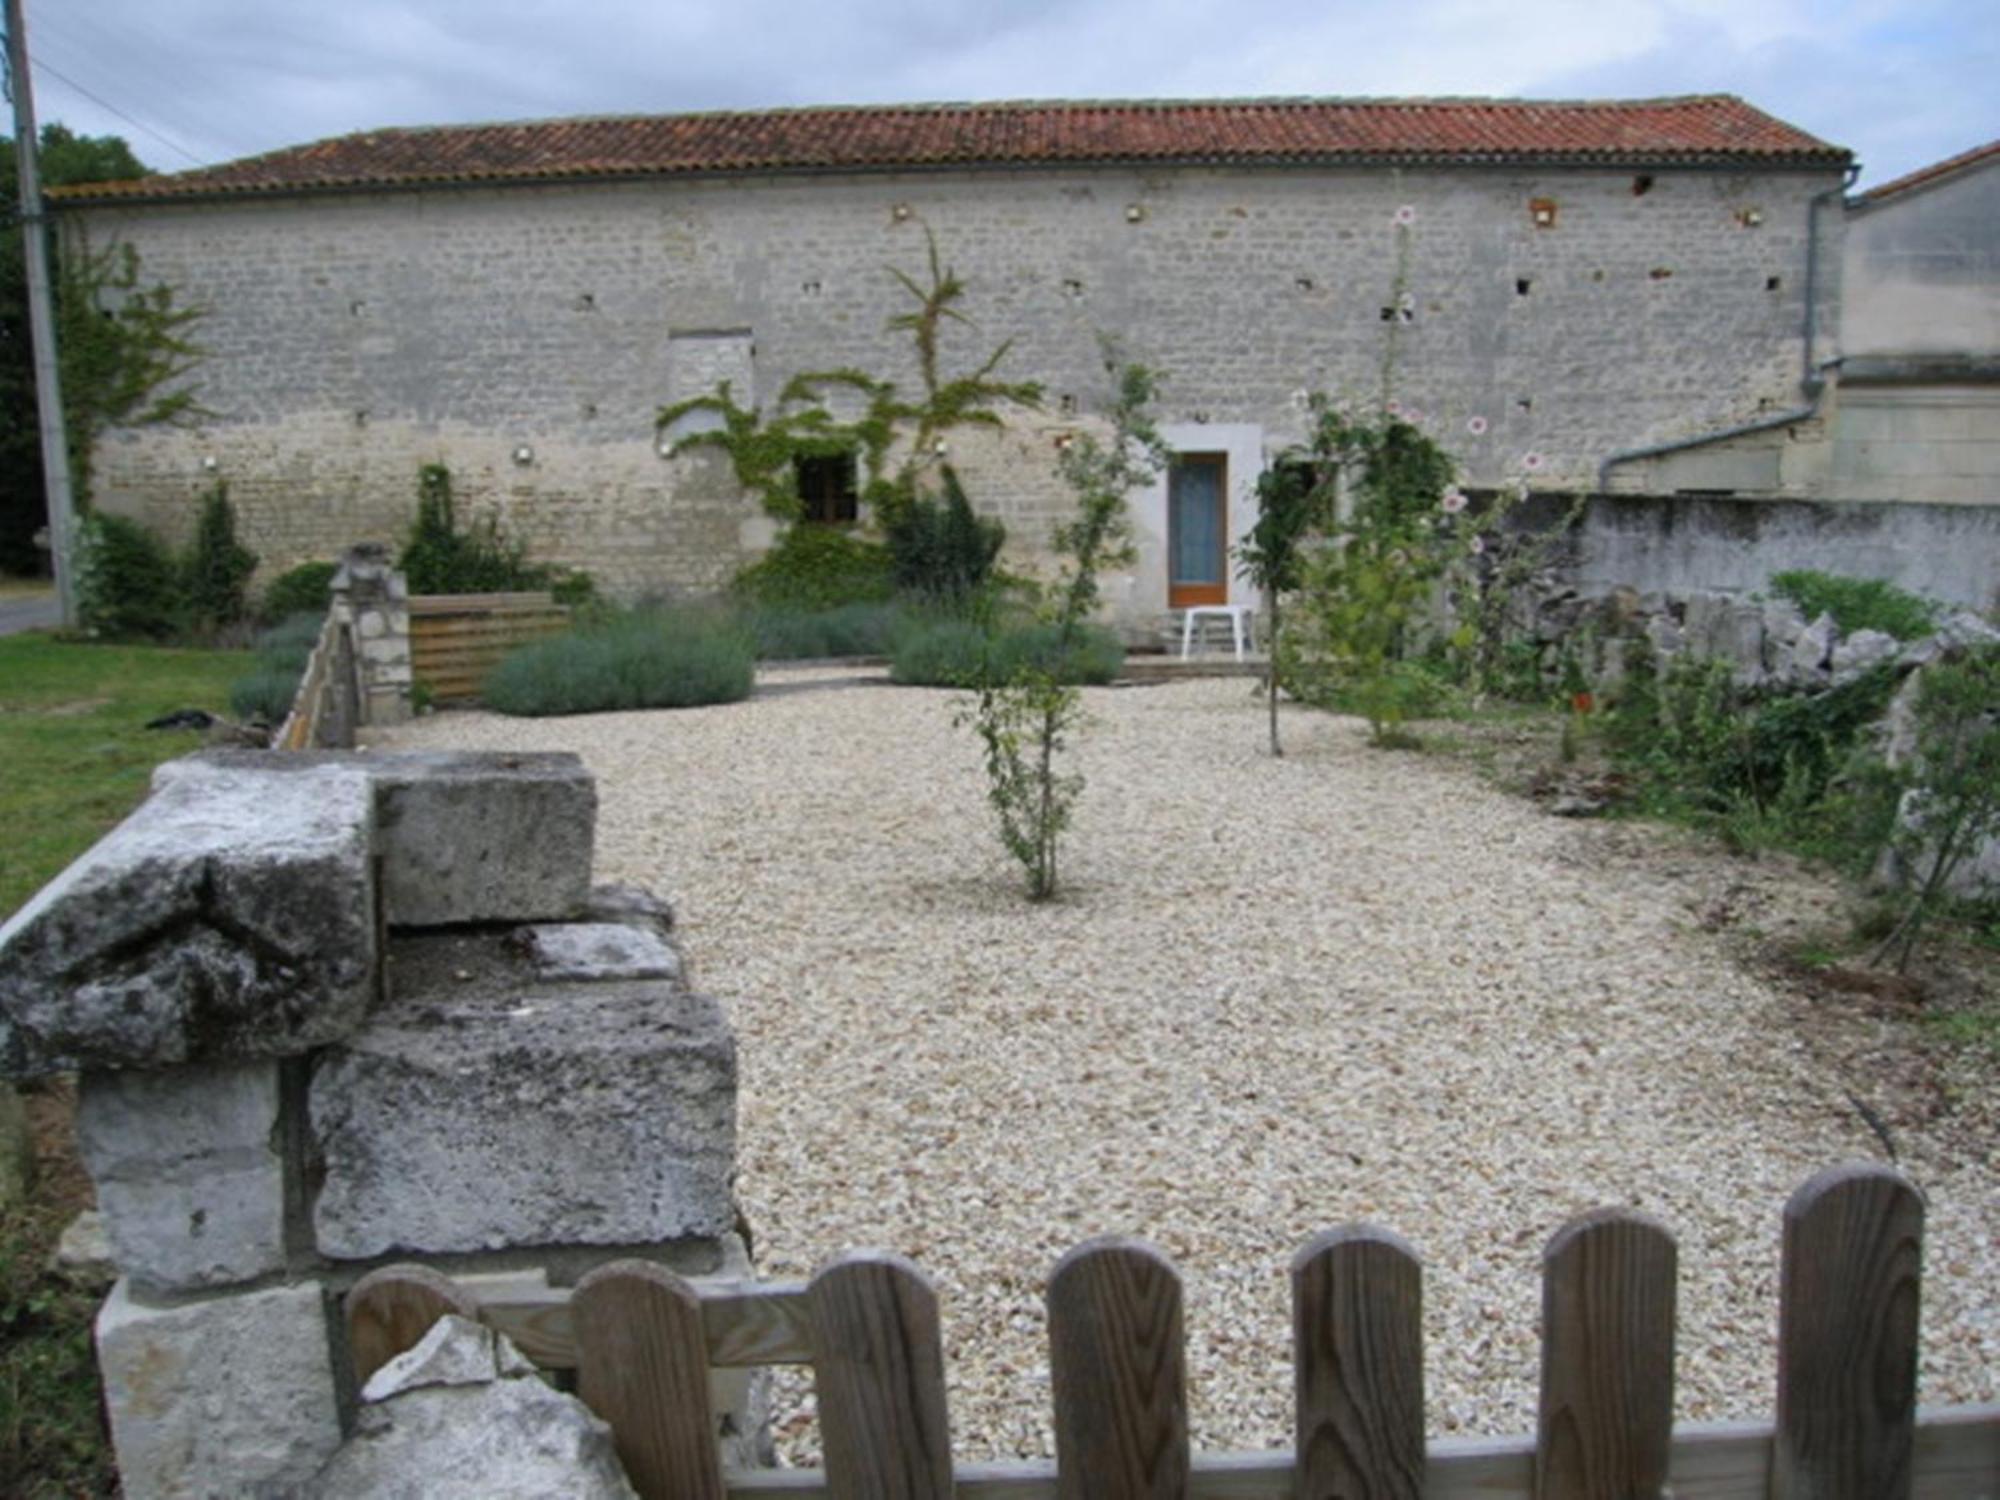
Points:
[32,612]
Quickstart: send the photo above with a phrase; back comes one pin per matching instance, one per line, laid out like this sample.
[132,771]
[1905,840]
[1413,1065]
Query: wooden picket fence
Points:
[456,639]
[642,1342]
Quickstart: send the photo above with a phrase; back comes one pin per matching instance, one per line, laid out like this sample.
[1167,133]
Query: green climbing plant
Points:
[897,438]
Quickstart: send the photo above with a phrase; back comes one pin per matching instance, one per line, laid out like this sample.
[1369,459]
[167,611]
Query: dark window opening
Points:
[827,492]
[1642,184]
[1522,286]
[1773,283]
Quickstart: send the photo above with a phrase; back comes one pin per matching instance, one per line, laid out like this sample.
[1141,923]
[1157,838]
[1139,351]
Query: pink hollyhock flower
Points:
[1476,426]
[1476,546]
[1531,461]
[1407,214]
[1453,502]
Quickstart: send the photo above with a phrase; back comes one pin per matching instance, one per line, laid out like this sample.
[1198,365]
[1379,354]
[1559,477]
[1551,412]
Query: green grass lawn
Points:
[75,756]
[74,750]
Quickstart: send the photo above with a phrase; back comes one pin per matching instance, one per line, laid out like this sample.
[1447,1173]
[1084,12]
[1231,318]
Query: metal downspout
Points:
[1811,381]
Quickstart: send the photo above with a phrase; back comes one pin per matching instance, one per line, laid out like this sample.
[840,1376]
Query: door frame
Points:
[1183,595]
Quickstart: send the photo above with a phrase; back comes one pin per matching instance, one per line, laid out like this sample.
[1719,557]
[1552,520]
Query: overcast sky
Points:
[1901,82]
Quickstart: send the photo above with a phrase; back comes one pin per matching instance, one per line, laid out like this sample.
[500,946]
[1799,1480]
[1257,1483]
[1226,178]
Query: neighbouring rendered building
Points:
[1579,294]
[1919,411]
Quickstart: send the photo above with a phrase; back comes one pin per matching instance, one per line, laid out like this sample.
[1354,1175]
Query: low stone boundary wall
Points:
[360,668]
[334,1009]
[1679,544]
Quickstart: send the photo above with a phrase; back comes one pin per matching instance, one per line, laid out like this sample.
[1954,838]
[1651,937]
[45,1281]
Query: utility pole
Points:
[41,316]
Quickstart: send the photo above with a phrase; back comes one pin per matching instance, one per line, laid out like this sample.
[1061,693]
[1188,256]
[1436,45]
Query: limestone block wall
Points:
[527,336]
[372,600]
[333,1010]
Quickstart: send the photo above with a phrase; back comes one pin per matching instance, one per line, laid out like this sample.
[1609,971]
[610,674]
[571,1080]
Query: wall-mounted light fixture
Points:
[1134,212]
[900,212]
[211,463]
[1543,212]
[523,455]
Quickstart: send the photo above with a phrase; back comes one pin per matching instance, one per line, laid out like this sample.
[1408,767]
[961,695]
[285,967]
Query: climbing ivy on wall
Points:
[765,448]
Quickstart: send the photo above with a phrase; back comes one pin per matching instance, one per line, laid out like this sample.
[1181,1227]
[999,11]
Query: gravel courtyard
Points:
[1276,995]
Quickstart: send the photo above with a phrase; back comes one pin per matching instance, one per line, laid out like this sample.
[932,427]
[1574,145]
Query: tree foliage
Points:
[1953,804]
[1363,592]
[1297,499]
[123,344]
[122,350]
[1025,719]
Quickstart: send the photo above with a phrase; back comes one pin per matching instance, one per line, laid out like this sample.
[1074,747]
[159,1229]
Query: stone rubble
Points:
[462,1417]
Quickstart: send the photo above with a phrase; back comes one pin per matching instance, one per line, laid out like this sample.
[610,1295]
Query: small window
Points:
[827,492]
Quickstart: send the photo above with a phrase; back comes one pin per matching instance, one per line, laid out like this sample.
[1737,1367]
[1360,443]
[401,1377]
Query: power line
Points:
[106,104]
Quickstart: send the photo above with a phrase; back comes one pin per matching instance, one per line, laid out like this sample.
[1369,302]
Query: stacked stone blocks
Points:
[371,599]
[333,1010]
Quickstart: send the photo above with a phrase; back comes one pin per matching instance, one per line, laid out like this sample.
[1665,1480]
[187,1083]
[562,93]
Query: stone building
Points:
[1561,290]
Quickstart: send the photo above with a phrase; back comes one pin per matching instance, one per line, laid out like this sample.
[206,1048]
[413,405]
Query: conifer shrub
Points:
[127,583]
[441,557]
[304,590]
[941,551]
[217,573]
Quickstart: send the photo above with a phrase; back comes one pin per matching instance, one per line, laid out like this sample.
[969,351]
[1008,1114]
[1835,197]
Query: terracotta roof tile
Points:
[1934,171]
[1711,129]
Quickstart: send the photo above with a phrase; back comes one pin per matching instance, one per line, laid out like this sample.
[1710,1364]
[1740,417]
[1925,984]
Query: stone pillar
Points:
[372,600]
[333,1010]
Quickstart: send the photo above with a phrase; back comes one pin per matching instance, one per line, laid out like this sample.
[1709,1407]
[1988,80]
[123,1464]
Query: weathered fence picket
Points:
[1607,1408]
[642,1365]
[878,1371]
[1118,1365]
[1847,1427]
[1847,1337]
[1358,1365]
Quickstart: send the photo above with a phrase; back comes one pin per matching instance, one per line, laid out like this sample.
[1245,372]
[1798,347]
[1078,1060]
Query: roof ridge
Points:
[1283,130]
[1144,102]
[1941,168]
